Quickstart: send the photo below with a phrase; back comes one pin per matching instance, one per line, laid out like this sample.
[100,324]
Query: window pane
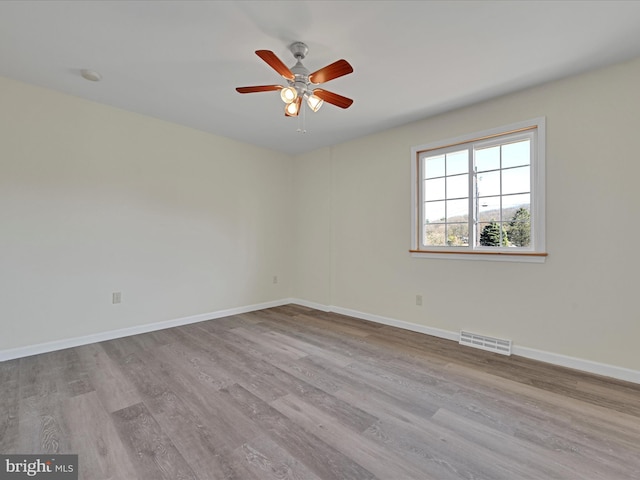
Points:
[458,162]
[516,213]
[434,167]
[515,154]
[514,202]
[434,212]
[457,210]
[488,183]
[434,235]
[458,234]
[516,180]
[488,159]
[491,236]
[434,189]
[519,227]
[458,186]
[520,234]
[489,209]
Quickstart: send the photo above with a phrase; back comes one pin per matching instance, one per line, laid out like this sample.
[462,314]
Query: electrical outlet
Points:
[116,297]
[275,279]
[419,300]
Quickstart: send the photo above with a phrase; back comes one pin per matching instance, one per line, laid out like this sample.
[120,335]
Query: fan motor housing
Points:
[301,81]
[299,50]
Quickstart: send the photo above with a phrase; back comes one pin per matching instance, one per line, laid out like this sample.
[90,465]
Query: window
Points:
[481,195]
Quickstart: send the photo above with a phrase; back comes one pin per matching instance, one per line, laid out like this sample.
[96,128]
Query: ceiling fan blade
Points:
[274,62]
[335,70]
[259,88]
[298,102]
[333,98]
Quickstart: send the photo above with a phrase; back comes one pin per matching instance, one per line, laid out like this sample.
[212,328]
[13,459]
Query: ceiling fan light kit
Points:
[300,82]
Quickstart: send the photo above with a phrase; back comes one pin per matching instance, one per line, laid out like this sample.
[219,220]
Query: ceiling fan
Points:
[300,82]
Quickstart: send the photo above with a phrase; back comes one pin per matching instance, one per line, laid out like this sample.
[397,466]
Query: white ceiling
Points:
[181,60]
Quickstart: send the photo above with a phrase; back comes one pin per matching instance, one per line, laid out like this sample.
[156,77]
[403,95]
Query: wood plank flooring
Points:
[294,393]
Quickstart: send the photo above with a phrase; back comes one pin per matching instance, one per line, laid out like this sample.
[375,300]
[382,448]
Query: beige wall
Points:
[95,200]
[312,221]
[581,303]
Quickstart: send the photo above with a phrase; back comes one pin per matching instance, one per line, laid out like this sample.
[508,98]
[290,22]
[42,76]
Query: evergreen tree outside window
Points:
[520,228]
[493,236]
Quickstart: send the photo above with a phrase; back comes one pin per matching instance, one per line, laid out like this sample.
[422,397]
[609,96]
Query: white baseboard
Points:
[308,304]
[581,364]
[589,366]
[436,332]
[29,350]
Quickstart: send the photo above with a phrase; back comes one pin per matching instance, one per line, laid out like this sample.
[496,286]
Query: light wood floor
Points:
[293,393]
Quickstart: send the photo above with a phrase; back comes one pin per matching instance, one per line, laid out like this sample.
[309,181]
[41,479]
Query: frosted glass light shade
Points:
[292,109]
[288,94]
[314,102]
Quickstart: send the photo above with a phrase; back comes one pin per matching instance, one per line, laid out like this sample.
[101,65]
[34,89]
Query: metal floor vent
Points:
[485,343]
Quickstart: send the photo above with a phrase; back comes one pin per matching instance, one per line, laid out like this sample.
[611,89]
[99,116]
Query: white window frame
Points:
[536,253]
